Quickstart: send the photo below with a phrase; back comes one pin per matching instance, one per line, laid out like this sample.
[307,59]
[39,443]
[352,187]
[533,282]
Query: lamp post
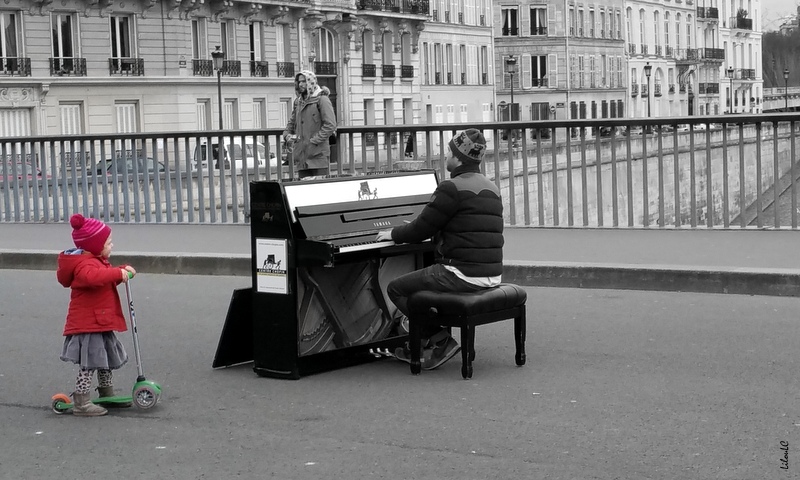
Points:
[647,71]
[511,69]
[219,58]
[786,89]
[730,97]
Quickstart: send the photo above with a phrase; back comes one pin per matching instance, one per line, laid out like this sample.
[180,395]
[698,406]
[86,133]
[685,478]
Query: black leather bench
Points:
[466,311]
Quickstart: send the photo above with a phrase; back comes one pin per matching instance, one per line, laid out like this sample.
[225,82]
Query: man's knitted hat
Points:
[89,234]
[468,146]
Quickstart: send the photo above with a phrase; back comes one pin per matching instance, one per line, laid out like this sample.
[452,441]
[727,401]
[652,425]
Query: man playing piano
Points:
[464,217]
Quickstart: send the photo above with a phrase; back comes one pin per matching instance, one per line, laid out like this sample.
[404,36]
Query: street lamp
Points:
[730,97]
[786,88]
[511,69]
[219,59]
[647,71]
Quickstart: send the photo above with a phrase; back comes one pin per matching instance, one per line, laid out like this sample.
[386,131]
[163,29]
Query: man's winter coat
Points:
[94,304]
[465,219]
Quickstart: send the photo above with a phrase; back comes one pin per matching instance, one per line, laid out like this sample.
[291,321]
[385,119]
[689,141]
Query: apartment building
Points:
[457,81]
[559,60]
[742,84]
[83,66]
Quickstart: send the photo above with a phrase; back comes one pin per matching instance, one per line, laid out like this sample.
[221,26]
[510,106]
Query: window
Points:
[603,26]
[256,41]
[657,31]
[127,116]
[510,22]
[121,39]
[227,38]
[590,33]
[580,22]
[199,49]
[280,42]
[678,30]
[628,25]
[538,21]
[539,70]
[9,37]
[326,46]
[230,113]
[203,113]
[666,29]
[641,28]
[63,34]
[604,72]
[463,114]
[571,21]
[688,31]
[259,113]
[580,71]
[71,114]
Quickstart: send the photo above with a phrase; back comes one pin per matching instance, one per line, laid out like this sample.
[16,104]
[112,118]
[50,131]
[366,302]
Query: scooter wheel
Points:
[61,403]
[145,397]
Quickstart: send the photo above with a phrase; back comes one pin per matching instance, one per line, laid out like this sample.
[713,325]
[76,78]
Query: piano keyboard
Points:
[358,247]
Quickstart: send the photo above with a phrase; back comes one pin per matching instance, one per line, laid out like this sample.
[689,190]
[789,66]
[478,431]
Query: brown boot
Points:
[83,406]
[109,392]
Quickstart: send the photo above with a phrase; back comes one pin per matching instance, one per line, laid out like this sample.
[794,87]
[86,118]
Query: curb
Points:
[741,281]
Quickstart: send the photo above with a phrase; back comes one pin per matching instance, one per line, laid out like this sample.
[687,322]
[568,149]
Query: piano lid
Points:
[330,191]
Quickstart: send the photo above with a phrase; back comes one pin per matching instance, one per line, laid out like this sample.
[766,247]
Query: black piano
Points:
[318,298]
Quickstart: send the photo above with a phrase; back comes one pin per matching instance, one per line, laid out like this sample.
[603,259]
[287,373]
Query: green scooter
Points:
[146,393]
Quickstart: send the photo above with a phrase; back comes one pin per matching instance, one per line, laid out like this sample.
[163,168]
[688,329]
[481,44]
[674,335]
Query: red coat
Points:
[94,304]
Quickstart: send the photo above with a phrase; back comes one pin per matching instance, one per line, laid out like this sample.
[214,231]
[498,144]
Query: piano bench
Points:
[466,311]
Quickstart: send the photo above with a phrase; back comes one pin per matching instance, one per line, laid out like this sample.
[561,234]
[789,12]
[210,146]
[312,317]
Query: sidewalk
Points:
[712,261]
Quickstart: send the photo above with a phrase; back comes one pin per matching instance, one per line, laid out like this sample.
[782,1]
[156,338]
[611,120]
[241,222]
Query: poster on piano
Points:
[271,266]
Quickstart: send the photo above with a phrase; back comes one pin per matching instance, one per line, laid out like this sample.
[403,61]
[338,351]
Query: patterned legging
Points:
[83,384]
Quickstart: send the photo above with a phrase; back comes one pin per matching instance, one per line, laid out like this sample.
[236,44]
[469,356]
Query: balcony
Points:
[708,14]
[435,15]
[437,78]
[484,78]
[671,88]
[406,71]
[126,66]
[416,7]
[634,89]
[463,78]
[741,23]
[645,90]
[712,54]
[643,49]
[632,48]
[657,90]
[482,21]
[202,68]
[460,18]
[18,66]
[387,71]
[538,30]
[539,82]
[368,70]
[449,78]
[746,73]
[447,16]
[232,68]
[325,68]
[708,88]
[67,67]
[659,50]
[285,69]
[259,68]
[685,55]
[669,51]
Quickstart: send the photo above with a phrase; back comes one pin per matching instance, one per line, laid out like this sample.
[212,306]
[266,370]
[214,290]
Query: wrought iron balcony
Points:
[407,71]
[285,69]
[67,66]
[232,68]
[387,71]
[20,66]
[634,89]
[416,7]
[484,78]
[632,48]
[659,50]
[437,78]
[126,66]
[741,23]
[259,68]
[643,49]
[708,13]
[645,90]
[538,30]
[657,90]
[539,82]
[712,54]
[202,68]
[669,51]
[368,70]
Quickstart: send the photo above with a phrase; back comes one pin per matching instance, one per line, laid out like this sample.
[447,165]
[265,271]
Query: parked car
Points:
[125,165]
[243,156]
[11,170]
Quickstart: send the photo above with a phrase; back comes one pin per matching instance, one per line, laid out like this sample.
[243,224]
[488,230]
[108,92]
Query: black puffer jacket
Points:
[465,218]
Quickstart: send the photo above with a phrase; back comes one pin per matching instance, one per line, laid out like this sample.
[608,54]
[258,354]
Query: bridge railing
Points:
[733,171]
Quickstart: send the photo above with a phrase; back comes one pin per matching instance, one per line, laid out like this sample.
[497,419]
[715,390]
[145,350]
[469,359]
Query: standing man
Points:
[311,123]
[464,217]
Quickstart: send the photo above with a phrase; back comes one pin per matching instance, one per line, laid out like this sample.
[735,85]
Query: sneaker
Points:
[404,354]
[442,352]
[402,325]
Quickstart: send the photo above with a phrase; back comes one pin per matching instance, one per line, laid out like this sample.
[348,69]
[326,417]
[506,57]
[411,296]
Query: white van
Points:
[242,156]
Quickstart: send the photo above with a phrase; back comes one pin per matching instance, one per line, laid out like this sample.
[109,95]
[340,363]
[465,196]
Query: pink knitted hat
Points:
[89,234]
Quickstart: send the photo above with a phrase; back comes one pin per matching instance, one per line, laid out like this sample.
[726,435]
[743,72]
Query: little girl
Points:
[94,312]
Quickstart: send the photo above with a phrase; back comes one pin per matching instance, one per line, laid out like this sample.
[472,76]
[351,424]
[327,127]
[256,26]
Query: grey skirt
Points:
[94,351]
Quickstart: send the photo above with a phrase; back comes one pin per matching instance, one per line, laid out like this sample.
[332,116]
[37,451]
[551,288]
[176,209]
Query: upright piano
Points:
[318,298]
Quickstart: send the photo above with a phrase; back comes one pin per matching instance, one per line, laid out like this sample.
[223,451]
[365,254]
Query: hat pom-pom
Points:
[77,221]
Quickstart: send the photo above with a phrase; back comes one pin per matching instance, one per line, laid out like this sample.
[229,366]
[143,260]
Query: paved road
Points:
[618,385]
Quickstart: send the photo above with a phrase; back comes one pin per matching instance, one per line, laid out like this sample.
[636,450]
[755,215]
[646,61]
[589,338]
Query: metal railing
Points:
[732,171]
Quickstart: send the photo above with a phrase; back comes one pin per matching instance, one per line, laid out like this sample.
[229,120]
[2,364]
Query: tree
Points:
[780,52]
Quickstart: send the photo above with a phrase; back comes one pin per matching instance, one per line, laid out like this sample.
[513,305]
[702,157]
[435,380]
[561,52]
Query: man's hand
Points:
[384,235]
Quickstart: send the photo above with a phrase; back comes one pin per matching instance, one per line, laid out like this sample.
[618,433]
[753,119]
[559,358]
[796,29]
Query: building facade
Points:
[740,33]
[558,60]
